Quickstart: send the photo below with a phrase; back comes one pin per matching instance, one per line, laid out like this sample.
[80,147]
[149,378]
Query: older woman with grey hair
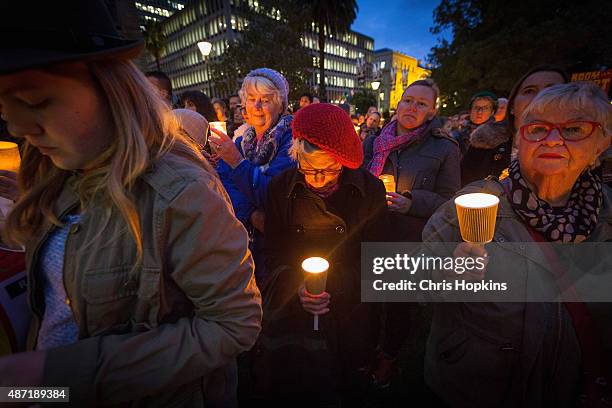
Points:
[248,164]
[543,354]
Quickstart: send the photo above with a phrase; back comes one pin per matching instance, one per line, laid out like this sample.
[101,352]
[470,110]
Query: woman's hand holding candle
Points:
[398,203]
[224,147]
[314,304]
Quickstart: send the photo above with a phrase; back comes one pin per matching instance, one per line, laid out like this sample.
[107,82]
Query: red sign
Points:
[601,78]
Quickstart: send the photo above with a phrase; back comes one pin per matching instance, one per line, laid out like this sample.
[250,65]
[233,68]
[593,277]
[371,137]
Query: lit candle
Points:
[9,156]
[219,126]
[9,160]
[389,182]
[357,129]
[477,213]
[315,278]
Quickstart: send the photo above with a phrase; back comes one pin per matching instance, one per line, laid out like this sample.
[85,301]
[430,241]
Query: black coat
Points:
[290,357]
[488,153]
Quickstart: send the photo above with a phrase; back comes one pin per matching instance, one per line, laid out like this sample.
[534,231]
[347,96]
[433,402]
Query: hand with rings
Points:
[224,147]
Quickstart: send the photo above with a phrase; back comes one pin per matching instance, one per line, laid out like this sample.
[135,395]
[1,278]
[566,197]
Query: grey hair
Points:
[301,147]
[579,96]
[262,86]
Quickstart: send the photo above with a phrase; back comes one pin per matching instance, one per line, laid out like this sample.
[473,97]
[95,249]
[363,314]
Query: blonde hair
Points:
[262,86]
[577,96]
[143,130]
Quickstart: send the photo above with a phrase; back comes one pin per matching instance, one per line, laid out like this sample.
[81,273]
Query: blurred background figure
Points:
[371,126]
[199,102]
[500,113]
[234,100]
[482,106]
[162,84]
[305,99]
[240,121]
[360,119]
[221,110]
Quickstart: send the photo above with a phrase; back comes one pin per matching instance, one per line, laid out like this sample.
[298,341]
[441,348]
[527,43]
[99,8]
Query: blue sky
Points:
[401,25]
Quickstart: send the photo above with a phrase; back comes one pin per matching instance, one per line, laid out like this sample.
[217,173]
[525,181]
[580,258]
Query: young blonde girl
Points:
[140,280]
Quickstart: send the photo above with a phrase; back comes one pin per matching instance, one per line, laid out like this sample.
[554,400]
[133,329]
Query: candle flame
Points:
[315,264]
[476,200]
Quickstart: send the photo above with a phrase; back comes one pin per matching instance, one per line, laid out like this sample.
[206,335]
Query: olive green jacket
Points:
[160,330]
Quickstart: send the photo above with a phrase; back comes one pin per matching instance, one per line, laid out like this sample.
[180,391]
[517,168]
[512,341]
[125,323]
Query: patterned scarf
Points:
[261,152]
[387,142]
[572,223]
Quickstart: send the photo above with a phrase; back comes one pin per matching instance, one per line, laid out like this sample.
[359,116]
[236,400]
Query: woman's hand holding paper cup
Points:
[477,213]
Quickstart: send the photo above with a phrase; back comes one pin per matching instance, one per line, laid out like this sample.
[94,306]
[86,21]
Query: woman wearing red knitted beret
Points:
[325,207]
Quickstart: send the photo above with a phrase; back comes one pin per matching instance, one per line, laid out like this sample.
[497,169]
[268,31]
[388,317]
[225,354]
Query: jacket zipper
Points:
[68,299]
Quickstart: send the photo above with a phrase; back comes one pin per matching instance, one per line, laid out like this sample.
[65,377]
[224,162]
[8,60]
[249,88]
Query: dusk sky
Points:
[402,25]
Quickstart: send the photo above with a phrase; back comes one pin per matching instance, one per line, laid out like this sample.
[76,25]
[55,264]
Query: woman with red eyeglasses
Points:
[555,354]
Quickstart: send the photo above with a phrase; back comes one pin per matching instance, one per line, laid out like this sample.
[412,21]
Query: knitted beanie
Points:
[277,79]
[485,95]
[194,124]
[330,129]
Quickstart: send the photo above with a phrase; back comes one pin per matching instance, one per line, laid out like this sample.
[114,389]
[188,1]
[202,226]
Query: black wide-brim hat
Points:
[34,34]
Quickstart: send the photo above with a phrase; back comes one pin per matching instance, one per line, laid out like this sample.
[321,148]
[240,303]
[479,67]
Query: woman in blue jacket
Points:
[248,164]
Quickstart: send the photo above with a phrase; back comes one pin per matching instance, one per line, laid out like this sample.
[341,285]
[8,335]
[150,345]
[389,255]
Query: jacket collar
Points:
[348,177]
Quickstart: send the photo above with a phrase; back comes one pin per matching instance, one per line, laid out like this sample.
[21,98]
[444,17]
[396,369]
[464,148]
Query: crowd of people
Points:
[163,253]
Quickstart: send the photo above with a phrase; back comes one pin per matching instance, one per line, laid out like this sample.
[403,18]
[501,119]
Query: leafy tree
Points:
[363,99]
[495,41]
[264,44]
[328,17]
[155,40]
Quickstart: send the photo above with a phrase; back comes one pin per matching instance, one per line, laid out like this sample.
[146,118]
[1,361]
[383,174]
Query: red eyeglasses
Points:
[571,131]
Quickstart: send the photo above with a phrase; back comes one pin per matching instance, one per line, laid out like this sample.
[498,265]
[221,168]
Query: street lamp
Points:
[375,85]
[205,47]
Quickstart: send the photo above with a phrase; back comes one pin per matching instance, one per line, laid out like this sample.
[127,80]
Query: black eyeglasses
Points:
[482,109]
[572,131]
[324,172]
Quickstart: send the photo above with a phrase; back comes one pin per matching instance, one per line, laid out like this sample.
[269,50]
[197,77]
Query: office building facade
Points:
[221,21]
[157,10]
